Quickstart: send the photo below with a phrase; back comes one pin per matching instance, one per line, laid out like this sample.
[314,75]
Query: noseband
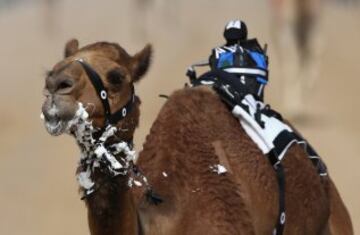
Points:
[110,118]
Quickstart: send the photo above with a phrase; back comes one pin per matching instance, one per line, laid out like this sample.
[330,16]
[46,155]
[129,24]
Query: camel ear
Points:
[71,47]
[140,62]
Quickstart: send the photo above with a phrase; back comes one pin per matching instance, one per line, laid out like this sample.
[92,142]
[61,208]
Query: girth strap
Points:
[280,176]
[103,95]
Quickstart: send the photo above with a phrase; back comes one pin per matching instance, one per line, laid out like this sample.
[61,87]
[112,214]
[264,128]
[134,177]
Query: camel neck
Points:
[111,209]
[103,177]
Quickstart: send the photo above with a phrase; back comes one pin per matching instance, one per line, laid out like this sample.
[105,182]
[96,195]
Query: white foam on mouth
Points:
[94,152]
[54,128]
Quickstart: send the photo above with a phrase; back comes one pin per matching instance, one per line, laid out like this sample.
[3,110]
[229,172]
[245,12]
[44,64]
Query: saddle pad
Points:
[272,136]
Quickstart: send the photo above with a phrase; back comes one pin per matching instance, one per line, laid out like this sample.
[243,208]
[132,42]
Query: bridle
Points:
[113,118]
[110,118]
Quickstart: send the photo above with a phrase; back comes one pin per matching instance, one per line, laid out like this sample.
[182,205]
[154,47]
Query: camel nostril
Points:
[64,85]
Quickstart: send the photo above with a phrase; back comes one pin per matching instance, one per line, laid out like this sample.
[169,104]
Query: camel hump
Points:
[187,141]
[192,93]
[195,102]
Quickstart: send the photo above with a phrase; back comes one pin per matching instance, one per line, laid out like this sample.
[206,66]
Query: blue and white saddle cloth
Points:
[270,133]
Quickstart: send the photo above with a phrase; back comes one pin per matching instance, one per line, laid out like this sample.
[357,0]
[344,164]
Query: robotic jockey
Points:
[242,57]
[241,62]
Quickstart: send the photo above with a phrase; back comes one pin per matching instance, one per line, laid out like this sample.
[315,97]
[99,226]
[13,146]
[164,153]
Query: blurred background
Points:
[314,53]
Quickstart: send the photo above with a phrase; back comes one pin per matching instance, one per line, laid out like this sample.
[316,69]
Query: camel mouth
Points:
[55,127]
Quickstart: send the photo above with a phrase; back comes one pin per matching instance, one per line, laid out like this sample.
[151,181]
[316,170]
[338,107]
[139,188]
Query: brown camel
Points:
[192,134]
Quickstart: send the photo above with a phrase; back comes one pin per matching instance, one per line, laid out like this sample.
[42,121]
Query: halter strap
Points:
[103,95]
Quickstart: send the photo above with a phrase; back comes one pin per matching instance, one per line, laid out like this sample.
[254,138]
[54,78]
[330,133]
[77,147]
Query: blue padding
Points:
[226,59]
[259,59]
[261,80]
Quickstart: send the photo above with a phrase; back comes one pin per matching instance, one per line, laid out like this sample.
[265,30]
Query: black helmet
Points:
[235,30]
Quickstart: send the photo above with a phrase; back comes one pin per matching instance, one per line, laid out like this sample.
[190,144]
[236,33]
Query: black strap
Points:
[98,85]
[282,215]
[121,113]
[280,175]
[103,95]
[223,78]
[251,86]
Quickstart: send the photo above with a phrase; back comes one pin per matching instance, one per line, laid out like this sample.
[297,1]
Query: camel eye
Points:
[115,76]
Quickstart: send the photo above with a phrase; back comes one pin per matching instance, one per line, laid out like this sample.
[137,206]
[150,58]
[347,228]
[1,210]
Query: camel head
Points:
[68,85]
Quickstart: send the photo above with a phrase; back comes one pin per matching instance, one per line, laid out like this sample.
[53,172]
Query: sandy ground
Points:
[38,190]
